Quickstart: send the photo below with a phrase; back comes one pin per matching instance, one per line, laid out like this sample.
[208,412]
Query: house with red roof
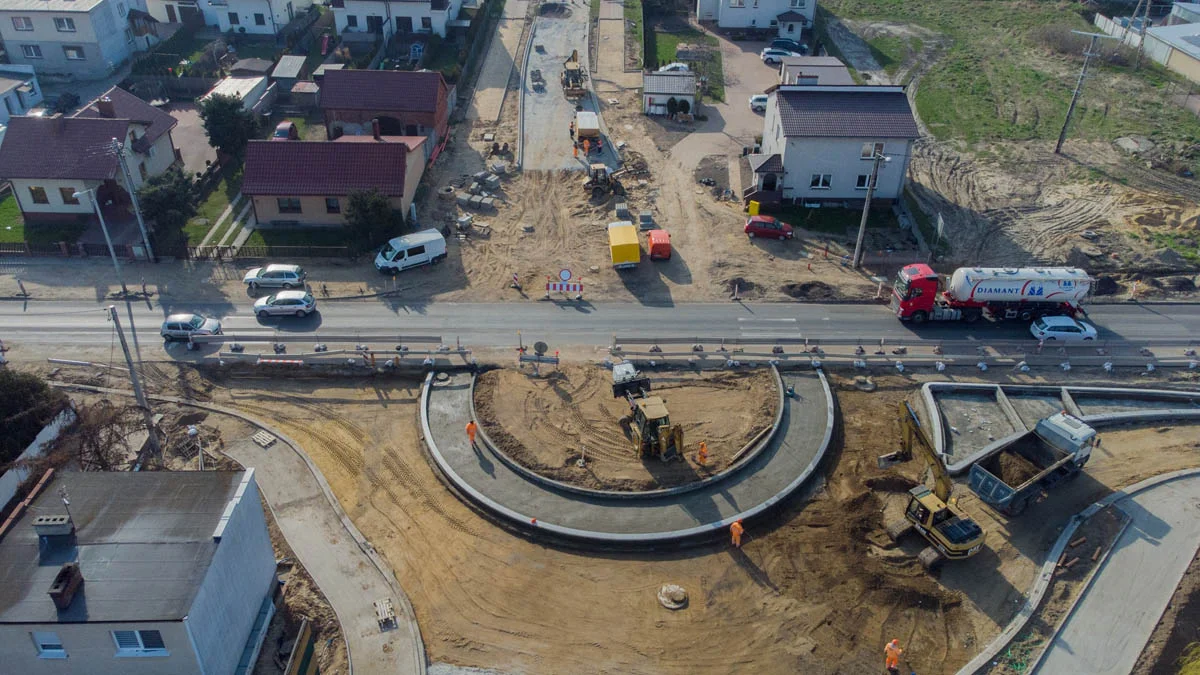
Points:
[49,159]
[308,182]
[405,103]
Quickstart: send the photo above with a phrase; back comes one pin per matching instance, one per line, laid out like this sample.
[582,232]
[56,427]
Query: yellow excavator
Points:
[951,533]
[649,422]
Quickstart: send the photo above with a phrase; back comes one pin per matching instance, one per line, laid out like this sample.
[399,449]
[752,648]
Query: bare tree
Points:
[101,438]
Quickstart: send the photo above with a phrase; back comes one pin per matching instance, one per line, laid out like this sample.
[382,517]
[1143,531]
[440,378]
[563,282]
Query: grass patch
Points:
[891,52]
[594,10]
[661,45]
[248,48]
[1171,241]
[52,234]
[303,236]
[14,231]
[12,225]
[635,24]
[1001,78]
[927,226]
[835,221]
[212,206]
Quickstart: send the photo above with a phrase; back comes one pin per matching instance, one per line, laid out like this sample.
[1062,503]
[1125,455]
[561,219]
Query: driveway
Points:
[190,138]
[1111,622]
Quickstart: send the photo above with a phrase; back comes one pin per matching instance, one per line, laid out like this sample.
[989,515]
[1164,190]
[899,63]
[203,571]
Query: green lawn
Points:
[661,46]
[635,20]
[594,12]
[1001,78]
[213,205]
[832,220]
[12,226]
[249,48]
[891,51]
[303,236]
[14,231]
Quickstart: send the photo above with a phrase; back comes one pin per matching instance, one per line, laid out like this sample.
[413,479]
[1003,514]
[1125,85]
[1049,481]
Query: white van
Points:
[419,248]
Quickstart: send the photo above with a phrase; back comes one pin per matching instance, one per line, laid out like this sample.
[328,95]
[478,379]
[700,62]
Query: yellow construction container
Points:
[752,207]
[623,244]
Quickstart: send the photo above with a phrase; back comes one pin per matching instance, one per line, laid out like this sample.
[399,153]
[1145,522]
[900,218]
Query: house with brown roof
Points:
[405,103]
[49,159]
[307,182]
[820,142]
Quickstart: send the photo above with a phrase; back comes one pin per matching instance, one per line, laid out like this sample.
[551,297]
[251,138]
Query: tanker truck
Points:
[972,293]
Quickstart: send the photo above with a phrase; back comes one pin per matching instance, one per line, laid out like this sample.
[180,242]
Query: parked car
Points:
[767,226]
[283,303]
[419,248]
[184,326]
[286,131]
[789,45]
[758,103]
[275,276]
[674,68]
[772,55]
[1061,328]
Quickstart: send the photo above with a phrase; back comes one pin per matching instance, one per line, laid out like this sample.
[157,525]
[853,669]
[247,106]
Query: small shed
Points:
[304,94]
[659,88]
[287,71]
[251,67]
[249,89]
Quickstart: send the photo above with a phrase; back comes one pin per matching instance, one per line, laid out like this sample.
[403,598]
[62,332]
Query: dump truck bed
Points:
[1009,477]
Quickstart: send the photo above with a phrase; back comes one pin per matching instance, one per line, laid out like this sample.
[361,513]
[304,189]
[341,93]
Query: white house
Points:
[389,17]
[84,39]
[258,17]
[789,17]
[813,70]
[658,88]
[20,91]
[147,572]
[819,142]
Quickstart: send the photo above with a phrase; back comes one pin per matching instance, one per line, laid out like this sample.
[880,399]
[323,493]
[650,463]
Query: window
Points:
[233,19]
[139,643]
[260,20]
[416,251]
[737,3]
[64,24]
[288,205]
[22,23]
[73,52]
[122,10]
[39,195]
[821,181]
[755,3]
[48,645]
[869,150]
[129,35]
[31,51]
[332,205]
[68,195]
[351,21]
[426,23]
[796,4]
[861,183]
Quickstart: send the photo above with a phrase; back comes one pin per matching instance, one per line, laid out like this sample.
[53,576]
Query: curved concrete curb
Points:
[529,521]
[1043,580]
[759,443]
[521,97]
[355,534]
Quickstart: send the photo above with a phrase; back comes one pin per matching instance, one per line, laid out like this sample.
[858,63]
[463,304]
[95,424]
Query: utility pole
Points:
[1137,63]
[119,149]
[138,395]
[91,193]
[862,225]
[1087,57]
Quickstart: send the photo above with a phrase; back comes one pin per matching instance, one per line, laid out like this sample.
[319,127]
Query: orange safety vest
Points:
[892,653]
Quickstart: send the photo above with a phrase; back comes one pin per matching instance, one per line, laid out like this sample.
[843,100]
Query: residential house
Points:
[1184,12]
[405,103]
[145,572]
[658,88]
[177,11]
[788,17]
[307,182]
[391,17]
[255,17]
[20,91]
[49,159]
[1177,47]
[813,70]
[819,143]
[84,39]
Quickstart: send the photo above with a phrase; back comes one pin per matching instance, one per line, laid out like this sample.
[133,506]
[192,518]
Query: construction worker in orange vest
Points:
[587,147]
[891,654]
[702,455]
[471,429]
[735,532]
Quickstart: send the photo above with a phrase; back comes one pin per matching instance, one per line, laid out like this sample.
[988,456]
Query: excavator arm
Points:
[917,443]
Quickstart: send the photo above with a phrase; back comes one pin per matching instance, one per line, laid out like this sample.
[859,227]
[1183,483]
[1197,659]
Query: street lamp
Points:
[194,432]
[862,225]
[91,193]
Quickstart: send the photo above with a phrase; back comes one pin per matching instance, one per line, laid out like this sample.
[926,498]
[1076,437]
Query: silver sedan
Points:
[285,303]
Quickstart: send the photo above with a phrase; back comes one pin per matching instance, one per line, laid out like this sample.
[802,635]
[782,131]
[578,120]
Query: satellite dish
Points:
[540,347]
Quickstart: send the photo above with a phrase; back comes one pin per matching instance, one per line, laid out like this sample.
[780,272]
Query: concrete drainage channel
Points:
[784,460]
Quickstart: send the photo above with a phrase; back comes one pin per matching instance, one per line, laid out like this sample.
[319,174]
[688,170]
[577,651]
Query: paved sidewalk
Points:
[497,68]
[610,71]
[1109,627]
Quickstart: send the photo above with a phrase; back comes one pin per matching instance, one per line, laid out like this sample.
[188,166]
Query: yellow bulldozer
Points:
[573,76]
[932,513]
[648,420]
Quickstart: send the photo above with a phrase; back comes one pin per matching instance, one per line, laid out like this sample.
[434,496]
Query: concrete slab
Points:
[1110,624]
[780,468]
[190,139]
[972,420]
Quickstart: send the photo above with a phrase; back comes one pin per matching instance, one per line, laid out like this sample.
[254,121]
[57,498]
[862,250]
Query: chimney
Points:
[106,108]
[66,584]
[50,526]
[375,128]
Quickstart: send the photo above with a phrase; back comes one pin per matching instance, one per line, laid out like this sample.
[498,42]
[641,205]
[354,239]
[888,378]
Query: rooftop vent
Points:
[49,526]
[66,583]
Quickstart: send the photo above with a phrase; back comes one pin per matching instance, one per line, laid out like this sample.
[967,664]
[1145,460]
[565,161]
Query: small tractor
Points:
[601,181]
[951,533]
[573,75]
[648,420]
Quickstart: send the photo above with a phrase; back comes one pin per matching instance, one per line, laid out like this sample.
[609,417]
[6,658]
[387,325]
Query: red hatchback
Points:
[766,226]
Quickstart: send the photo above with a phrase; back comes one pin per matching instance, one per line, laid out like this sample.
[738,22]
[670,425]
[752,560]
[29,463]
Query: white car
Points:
[184,326]
[275,276]
[758,103]
[773,55]
[1061,328]
[674,68]
[286,303]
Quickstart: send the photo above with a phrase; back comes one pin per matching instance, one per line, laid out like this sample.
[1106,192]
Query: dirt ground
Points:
[543,423]
[818,588]
[1173,642]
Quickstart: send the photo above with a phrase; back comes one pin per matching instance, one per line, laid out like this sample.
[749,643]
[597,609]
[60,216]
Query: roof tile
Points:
[130,107]
[60,148]
[837,112]
[323,168]
[399,91]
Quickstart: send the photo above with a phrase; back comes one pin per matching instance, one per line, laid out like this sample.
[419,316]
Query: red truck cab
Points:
[915,291]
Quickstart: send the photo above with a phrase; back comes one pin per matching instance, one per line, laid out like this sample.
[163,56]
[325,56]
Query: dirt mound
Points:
[1015,469]
[1180,284]
[548,423]
[810,290]
[891,483]
[1107,285]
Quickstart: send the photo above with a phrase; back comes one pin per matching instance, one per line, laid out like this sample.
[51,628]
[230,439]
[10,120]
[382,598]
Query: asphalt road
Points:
[1110,625]
[562,324]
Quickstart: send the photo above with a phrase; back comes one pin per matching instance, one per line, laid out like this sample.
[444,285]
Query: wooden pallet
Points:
[385,614]
[263,439]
